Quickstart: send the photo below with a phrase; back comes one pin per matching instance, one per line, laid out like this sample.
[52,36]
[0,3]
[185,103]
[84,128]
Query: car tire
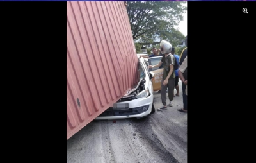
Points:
[153,109]
[141,118]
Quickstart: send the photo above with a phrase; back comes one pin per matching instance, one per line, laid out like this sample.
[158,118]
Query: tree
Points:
[138,47]
[174,36]
[178,50]
[149,17]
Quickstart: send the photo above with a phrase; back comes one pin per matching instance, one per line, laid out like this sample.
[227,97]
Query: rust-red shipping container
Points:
[101,61]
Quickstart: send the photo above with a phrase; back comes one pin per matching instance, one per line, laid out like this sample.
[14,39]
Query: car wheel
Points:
[141,118]
[153,109]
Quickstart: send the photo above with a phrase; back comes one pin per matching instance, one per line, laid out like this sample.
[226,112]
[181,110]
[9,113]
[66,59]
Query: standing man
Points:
[182,58]
[159,52]
[168,73]
[184,52]
[176,73]
[183,76]
[154,54]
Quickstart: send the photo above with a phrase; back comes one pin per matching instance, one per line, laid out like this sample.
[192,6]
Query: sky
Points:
[183,24]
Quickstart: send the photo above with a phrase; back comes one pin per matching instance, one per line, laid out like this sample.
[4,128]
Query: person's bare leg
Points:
[178,90]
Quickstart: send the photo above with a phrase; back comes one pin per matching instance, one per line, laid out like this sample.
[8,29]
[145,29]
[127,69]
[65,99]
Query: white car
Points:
[138,102]
[142,54]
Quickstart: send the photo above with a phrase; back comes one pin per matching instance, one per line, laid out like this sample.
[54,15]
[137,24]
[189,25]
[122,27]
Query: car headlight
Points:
[143,94]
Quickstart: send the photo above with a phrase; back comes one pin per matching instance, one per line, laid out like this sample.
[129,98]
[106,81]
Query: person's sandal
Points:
[160,109]
[182,110]
[170,105]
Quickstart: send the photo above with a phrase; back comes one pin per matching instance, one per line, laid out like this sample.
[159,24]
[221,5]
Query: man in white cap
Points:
[168,72]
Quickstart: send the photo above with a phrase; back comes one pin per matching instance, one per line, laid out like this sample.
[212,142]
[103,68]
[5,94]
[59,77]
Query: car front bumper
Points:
[137,108]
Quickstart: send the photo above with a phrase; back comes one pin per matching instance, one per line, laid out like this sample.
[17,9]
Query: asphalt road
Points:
[159,138]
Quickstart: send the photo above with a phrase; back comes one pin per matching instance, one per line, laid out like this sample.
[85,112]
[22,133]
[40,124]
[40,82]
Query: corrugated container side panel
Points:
[120,33]
[121,45]
[94,55]
[130,44]
[101,62]
[115,54]
[74,91]
[128,36]
[108,50]
[98,50]
[102,46]
[75,71]
[117,11]
[117,42]
[76,49]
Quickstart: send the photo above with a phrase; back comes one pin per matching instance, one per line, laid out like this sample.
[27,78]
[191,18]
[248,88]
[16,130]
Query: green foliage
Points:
[174,36]
[157,46]
[149,17]
[138,47]
[149,51]
[178,50]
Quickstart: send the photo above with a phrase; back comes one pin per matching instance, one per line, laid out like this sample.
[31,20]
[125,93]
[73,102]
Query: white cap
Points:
[166,47]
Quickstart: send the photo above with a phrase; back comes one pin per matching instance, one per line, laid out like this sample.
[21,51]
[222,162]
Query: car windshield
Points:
[155,61]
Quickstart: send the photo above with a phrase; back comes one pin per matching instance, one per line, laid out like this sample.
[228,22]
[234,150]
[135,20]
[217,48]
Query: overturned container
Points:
[101,61]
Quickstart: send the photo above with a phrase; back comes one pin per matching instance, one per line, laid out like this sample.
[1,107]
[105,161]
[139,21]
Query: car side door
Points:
[157,72]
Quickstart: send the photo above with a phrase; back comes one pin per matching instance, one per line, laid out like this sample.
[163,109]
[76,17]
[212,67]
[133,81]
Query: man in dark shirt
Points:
[168,72]
[159,52]
[176,73]
[154,54]
[184,52]
[183,56]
